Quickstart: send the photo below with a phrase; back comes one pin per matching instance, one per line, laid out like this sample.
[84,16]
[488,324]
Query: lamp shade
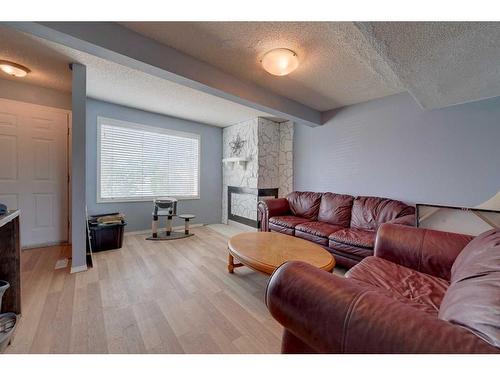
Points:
[280,61]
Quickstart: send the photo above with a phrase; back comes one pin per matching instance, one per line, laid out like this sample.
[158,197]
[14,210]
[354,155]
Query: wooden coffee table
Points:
[266,251]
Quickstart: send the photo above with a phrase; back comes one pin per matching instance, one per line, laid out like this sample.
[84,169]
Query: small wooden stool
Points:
[186,218]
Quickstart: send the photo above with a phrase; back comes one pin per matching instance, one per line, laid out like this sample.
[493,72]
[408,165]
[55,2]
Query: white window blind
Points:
[138,162]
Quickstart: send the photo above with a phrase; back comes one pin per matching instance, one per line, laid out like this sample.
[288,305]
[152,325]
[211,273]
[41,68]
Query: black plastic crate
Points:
[105,237]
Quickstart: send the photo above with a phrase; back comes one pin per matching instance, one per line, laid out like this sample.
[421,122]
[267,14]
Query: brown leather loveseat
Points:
[424,291]
[344,225]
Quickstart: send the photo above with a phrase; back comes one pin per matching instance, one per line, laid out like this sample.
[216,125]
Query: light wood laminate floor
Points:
[148,297]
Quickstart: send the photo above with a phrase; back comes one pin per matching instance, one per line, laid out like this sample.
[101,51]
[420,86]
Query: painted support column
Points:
[78,168]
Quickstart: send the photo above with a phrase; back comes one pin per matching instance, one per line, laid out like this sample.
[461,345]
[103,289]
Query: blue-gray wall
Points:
[78,168]
[391,147]
[207,209]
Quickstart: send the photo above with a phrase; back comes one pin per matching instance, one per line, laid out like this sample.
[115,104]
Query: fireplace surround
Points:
[257,193]
[266,169]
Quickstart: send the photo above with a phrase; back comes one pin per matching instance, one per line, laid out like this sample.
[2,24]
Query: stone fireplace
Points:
[242,203]
[264,167]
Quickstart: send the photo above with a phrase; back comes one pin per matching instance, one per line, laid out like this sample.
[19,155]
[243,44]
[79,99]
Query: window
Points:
[137,162]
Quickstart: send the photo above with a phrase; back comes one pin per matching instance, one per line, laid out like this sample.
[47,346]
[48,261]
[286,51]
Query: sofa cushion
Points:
[288,221]
[311,237]
[355,237]
[304,204]
[280,229]
[318,228]
[422,291]
[371,212]
[481,255]
[316,231]
[355,252]
[473,299]
[335,209]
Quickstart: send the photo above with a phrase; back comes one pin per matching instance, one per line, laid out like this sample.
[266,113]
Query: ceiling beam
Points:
[116,43]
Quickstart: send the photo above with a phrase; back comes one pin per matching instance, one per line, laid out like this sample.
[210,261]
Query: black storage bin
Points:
[105,237]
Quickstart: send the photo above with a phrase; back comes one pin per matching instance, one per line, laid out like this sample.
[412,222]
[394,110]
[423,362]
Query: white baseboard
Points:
[148,231]
[78,269]
[45,244]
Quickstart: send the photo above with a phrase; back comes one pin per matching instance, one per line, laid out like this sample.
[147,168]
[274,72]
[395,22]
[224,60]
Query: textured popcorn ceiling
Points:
[342,63]
[48,68]
[115,83]
[440,63]
[337,67]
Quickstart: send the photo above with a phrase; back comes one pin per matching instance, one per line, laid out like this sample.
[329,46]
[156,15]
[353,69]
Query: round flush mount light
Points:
[13,69]
[280,61]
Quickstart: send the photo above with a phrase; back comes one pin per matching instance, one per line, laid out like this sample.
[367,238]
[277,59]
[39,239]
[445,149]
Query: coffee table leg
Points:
[230,263]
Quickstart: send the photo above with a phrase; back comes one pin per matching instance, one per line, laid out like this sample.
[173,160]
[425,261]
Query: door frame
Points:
[68,114]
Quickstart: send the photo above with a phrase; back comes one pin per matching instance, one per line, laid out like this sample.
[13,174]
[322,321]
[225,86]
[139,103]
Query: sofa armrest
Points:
[271,207]
[332,314]
[425,250]
[404,220]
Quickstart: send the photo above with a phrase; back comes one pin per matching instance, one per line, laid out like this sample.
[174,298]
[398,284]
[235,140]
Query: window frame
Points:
[132,125]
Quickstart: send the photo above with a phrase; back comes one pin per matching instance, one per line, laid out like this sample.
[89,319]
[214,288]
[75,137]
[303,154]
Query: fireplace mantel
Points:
[236,160]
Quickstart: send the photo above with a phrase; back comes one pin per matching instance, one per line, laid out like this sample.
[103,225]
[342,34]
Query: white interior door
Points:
[34,170]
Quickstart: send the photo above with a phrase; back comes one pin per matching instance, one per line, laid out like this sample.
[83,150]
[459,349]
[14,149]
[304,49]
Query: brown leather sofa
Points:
[424,291]
[344,225]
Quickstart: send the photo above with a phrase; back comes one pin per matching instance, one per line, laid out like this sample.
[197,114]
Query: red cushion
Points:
[304,204]
[473,299]
[371,212]
[422,291]
[287,221]
[335,209]
[316,231]
[318,228]
[351,251]
[280,229]
[311,237]
[355,237]
[480,256]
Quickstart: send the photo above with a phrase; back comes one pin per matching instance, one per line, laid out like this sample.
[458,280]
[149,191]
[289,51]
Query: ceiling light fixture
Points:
[280,61]
[13,69]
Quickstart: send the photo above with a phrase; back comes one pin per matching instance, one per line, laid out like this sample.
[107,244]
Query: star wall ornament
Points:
[237,145]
